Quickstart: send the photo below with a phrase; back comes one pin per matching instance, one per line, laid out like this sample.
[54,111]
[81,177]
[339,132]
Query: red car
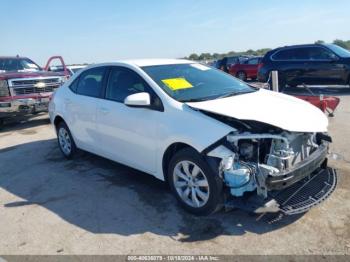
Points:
[25,87]
[246,69]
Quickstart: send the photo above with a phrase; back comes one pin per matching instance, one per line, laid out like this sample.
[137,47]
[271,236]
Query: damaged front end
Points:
[274,170]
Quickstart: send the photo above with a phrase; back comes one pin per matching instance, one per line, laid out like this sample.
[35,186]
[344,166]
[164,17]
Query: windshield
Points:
[339,50]
[195,82]
[18,64]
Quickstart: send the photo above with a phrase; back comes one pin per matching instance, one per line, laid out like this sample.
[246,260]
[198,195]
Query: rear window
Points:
[253,61]
[90,82]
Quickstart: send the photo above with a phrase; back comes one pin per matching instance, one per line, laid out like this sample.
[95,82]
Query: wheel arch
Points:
[169,153]
[57,120]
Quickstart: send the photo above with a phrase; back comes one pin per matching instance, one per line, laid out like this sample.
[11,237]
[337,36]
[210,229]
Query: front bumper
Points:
[296,199]
[299,171]
[24,105]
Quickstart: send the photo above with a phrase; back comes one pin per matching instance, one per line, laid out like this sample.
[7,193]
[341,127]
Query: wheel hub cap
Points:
[64,140]
[191,184]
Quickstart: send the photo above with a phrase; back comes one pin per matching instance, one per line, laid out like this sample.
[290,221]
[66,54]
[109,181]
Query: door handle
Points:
[104,110]
[67,101]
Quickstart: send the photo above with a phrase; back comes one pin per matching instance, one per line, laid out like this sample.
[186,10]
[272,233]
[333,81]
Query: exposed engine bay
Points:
[262,158]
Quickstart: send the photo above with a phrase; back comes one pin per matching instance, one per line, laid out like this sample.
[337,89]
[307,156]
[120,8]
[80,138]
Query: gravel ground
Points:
[49,205]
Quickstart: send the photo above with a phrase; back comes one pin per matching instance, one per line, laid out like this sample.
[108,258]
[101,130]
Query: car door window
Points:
[232,60]
[252,61]
[74,86]
[319,53]
[291,54]
[90,82]
[123,82]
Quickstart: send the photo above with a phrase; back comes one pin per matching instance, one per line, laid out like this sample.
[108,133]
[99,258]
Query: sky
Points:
[95,31]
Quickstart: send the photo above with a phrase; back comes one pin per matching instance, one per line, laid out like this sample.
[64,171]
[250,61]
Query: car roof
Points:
[298,46]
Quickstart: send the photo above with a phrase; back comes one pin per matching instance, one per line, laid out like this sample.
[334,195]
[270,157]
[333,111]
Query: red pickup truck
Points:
[25,87]
[247,69]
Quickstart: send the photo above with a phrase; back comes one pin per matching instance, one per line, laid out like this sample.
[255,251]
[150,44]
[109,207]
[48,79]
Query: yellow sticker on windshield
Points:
[177,83]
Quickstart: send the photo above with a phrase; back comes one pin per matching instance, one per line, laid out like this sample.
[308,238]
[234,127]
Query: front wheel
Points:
[197,188]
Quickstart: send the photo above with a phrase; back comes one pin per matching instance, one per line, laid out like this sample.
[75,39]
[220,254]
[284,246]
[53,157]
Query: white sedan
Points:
[216,140]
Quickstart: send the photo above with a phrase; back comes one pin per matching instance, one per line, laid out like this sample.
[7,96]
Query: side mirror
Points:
[138,100]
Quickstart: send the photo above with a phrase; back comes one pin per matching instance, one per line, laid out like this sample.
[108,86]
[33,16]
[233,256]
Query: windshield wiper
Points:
[217,97]
[234,94]
[194,100]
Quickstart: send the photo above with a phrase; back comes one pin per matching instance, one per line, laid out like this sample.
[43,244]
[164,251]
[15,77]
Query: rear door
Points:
[81,107]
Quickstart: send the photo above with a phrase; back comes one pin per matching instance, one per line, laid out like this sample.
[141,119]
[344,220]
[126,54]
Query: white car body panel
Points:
[287,112]
[136,137]
[139,137]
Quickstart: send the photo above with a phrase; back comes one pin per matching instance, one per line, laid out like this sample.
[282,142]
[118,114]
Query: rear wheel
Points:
[65,141]
[242,75]
[197,188]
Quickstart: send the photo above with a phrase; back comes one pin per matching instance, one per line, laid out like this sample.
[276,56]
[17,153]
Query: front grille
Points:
[33,90]
[32,82]
[34,85]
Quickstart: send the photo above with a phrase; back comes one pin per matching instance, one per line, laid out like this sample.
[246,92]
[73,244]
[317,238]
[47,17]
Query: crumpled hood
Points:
[280,110]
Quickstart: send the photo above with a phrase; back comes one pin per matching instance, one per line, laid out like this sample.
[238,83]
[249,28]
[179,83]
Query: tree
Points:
[216,56]
[259,52]
[341,43]
[319,42]
[205,56]
[193,57]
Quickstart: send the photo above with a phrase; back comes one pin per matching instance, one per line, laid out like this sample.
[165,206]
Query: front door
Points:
[323,67]
[128,134]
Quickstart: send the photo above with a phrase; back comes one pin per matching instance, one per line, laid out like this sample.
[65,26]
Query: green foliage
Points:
[343,44]
[259,52]
[319,42]
[216,56]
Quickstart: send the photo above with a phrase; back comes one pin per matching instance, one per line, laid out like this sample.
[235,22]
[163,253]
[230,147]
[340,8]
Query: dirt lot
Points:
[49,205]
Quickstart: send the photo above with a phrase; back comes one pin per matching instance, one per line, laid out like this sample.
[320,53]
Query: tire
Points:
[199,190]
[65,141]
[241,75]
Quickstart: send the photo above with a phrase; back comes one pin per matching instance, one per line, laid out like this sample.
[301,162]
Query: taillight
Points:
[4,88]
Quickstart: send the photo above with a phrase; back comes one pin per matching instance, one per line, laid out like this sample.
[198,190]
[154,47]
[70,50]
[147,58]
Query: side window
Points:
[253,61]
[319,53]
[74,86]
[232,60]
[283,54]
[90,82]
[291,54]
[123,82]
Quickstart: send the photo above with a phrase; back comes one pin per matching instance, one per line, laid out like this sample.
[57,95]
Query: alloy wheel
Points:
[191,184]
[65,141]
